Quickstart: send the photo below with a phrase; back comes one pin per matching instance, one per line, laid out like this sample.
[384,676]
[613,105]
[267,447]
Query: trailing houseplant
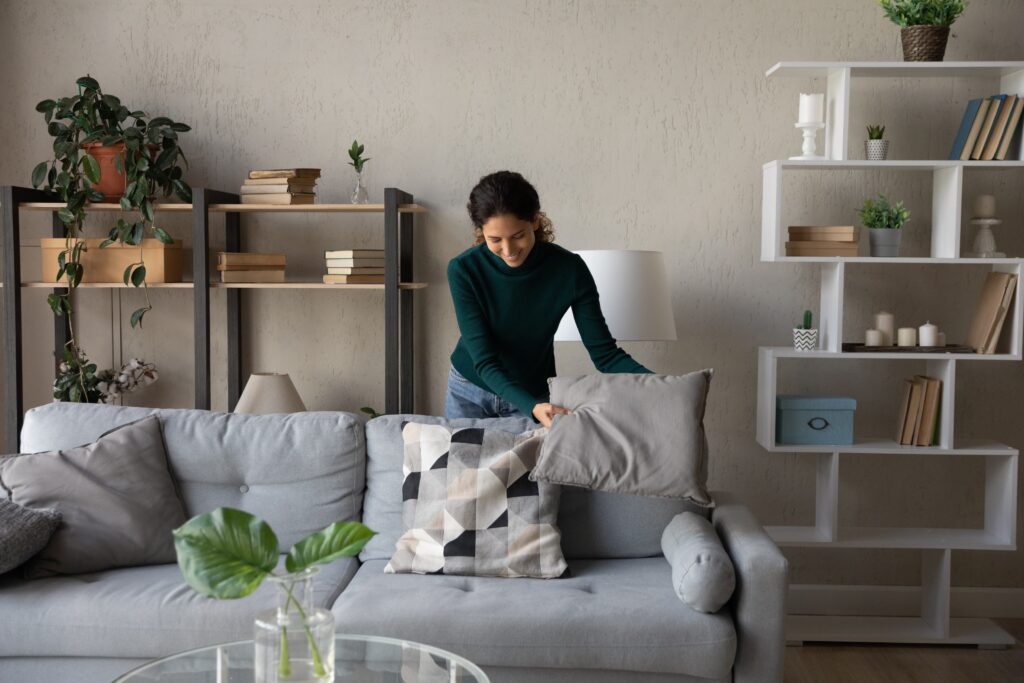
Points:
[875,148]
[77,374]
[805,336]
[359,194]
[924,25]
[98,142]
[884,221]
[228,553]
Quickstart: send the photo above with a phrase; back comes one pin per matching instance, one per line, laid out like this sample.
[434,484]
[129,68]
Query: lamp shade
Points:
[269,392]
[634,296]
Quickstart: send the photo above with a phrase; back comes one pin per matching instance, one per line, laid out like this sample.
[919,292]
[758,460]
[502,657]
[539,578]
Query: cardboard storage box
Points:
[163,261]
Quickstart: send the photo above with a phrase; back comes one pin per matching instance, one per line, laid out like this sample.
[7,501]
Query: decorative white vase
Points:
[805,340]
[876,150]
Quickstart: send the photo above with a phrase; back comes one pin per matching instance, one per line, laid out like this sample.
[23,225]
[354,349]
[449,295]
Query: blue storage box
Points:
[814,420]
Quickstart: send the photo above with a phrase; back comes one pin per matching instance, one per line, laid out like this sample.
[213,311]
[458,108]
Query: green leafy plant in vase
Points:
[805,336]
[924,25]
[875,148]
[228,553]
[359,193]
[884,221]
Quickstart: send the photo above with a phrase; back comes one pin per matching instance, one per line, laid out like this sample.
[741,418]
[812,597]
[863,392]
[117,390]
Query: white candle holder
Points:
[810,147]
[985,242]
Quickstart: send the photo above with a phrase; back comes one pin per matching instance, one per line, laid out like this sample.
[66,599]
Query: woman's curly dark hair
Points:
[507,192]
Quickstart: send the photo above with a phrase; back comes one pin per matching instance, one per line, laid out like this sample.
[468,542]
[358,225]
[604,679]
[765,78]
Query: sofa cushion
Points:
[610,614]
[300,472]
[23,532]
[136,612]
[118,502]
[470,508]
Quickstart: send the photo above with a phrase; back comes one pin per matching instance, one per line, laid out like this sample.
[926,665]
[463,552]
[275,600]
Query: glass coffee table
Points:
[357,659]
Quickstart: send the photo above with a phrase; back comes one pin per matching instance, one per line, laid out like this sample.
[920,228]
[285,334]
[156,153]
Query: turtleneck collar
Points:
[533,259]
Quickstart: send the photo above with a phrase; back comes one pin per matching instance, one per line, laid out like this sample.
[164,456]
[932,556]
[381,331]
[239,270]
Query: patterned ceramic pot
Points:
[805,340]
[876,150]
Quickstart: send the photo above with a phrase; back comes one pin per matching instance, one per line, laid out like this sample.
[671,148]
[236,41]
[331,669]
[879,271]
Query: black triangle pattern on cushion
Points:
[468,435]
[523,487]
[411,486]
[463,545]
[501,521]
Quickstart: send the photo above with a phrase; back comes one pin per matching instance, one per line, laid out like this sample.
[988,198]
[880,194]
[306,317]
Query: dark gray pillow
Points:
[116,496]
[23,533]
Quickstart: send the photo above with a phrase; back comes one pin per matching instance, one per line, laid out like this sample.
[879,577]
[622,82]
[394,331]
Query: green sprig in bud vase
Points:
[295,640]
[359,193]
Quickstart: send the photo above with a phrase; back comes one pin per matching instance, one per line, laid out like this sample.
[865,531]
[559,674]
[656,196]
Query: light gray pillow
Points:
[637,434]
[116,496]
[23,533]
[702,573]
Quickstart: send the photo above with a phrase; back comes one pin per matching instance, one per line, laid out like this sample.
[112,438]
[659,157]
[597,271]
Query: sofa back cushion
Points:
[299,472]
[594,524]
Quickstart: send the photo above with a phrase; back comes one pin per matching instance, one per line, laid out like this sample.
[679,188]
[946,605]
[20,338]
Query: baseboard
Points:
[899,601]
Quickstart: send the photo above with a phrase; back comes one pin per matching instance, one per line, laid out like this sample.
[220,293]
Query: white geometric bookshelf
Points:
[932,624]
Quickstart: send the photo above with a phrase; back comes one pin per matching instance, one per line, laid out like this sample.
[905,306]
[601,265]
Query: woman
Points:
[510,293]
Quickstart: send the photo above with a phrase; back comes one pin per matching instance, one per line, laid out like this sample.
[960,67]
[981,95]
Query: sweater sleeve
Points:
[602,347]
[478,340]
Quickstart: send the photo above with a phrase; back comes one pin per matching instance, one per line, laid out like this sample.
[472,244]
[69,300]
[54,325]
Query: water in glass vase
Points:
[295,641]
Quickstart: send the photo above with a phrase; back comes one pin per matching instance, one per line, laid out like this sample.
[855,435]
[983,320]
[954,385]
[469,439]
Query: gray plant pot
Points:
[885,242]
[876,150]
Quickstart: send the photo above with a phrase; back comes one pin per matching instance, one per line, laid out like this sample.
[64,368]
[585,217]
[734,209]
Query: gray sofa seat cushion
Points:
[299,472]
[611,614]
[594,524]
[135,612]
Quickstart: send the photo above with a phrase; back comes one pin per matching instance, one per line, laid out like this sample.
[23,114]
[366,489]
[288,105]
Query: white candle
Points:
[873,338]
[907,336]
[812,108]
[984,206]
[886,324]
[928,334]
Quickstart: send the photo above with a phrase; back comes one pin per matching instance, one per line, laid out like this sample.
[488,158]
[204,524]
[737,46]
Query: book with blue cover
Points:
[965,129]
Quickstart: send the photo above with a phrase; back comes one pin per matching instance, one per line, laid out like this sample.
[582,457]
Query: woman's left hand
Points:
[545,413]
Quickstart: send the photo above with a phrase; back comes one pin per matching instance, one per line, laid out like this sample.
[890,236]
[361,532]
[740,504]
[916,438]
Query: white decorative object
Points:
[928,335]
[906,336]
[874,338]
[269,392]
[984,241]
[812,108]
[876,150]
[985,206]
[805,340]
[886,324]
[810,146]
[634,294]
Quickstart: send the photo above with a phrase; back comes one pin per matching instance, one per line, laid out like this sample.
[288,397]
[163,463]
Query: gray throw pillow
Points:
[702,573]
[470,508]
[116,496]
[637,434]
[23,533]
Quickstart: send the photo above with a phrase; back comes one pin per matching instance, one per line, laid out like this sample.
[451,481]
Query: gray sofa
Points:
[615,619]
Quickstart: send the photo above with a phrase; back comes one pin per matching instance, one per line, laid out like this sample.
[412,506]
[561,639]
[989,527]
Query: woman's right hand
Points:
[545,413]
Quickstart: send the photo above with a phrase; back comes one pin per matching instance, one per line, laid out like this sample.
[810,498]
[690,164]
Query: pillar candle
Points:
[942,339]
[812,108]
[886,324]
[907,336]
[985,206]
[873,338]
[928,334]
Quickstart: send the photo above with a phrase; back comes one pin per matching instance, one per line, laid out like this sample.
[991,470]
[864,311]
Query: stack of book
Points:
[355,267]
[822,240]
[990,130]
[280,186]
[919,415]
[990,313]
[237,266]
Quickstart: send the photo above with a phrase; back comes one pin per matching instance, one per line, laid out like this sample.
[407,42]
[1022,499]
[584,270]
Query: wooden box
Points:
[163,261]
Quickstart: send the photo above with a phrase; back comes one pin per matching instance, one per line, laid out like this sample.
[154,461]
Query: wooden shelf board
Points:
[892,165]
[919,260]
[106,285]
[858,629]
[312,208]
[101,206]
[790,352]
[306,285]
[896,69]
[890,537]
[975,447]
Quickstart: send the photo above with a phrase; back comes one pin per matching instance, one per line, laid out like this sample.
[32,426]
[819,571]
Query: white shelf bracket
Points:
[947,196]
[935,576]
[837,114]
[945,370]
[830,310]
[1001,498]
[1012,83]
[772,237]
[826,496]
[767,376]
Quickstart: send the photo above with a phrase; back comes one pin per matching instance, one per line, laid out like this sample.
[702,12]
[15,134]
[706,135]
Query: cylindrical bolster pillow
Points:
[702,573]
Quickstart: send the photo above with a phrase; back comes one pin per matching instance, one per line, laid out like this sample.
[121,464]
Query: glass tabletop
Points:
[357,659]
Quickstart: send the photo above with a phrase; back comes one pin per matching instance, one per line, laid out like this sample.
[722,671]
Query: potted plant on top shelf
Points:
[884,222]
[875,148]
[98,154]
[924,26]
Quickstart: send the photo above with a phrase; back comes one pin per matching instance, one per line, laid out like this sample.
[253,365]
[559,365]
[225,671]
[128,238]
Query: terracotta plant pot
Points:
[111,182]
[924,43]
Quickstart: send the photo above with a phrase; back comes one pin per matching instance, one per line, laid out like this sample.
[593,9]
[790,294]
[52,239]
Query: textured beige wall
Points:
[643,125]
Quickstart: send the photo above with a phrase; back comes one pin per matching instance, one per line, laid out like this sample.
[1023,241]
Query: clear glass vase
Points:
[295,641]
[359,193]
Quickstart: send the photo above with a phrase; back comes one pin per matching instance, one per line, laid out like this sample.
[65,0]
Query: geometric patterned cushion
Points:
[23,532]
[470,508]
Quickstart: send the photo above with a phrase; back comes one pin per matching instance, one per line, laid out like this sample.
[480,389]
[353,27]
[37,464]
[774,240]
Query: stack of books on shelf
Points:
[822,240]
[354,267]
[237,266]
[280,186]
[990,130]
[990,313]
[919,414]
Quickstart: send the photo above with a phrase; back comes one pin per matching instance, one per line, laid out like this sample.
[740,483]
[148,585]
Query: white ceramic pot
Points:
[805,340]
[876,150]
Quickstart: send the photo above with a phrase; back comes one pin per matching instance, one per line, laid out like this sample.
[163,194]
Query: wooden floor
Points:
[900,664]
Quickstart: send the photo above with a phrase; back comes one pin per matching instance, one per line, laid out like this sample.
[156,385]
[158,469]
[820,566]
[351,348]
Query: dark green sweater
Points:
[508,318]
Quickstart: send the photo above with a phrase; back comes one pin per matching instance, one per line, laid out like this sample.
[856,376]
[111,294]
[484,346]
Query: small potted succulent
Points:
[355,153]
[884,222]
[805,336]
[924,26]
[875,148]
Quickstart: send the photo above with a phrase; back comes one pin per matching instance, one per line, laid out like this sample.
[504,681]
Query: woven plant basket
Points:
[924,43]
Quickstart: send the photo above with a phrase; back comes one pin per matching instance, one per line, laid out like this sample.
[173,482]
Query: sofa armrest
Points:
[759,603]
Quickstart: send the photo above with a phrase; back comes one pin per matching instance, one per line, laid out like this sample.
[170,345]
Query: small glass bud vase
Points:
[359,193]
[295,640]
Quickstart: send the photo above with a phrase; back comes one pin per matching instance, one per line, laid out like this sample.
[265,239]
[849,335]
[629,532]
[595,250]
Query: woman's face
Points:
[510,238]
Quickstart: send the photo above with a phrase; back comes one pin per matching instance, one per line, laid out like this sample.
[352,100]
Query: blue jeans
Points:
[465,399]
